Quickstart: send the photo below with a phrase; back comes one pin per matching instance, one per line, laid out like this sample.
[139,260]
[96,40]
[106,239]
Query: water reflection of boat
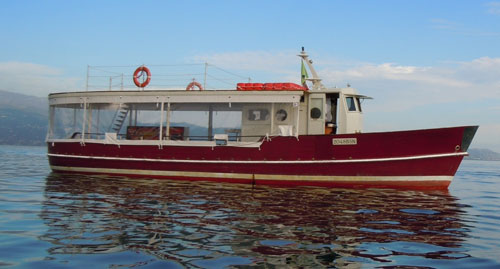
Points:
[176,221]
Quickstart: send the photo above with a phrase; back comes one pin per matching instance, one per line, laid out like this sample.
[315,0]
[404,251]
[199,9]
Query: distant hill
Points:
[483,154]
[23,119]
[16,101]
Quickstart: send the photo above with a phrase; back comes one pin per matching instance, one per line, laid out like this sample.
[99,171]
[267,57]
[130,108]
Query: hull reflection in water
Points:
[214,225]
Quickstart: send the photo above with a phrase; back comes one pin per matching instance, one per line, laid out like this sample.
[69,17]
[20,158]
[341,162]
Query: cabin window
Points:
[66,121]
[69,121]
[281,115]
[203,121]
[316,110]
[258,114]
[350,104]
[175,121]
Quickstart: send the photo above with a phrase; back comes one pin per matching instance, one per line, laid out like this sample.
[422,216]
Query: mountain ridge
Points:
[18,101]
[23,119]
[483,154]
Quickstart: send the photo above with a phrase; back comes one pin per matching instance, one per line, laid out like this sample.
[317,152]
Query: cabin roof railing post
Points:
[84,121]
[161,123]
[168,121]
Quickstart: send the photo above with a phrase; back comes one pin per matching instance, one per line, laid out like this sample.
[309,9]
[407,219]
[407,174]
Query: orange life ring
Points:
[142,70]
[191,86]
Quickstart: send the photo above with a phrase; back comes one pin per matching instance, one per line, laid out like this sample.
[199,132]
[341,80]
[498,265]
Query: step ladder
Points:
[120,116]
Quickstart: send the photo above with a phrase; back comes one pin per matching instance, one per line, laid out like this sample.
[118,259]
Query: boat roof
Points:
[169,96]
[346,91]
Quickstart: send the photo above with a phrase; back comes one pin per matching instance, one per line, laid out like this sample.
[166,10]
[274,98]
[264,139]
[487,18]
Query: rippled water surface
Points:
[53,220]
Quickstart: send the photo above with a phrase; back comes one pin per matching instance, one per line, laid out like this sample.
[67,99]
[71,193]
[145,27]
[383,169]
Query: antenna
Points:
[316,81]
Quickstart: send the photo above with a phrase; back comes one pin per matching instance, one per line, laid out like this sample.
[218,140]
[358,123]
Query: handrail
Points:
[78,136]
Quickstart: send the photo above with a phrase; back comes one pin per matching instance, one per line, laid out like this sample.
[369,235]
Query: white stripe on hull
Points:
[256,177]
[454,154]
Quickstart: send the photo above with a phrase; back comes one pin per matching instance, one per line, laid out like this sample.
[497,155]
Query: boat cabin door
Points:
[331,113]
[316,113]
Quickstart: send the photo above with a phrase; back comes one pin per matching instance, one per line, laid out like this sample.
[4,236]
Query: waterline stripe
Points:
[455,154]
[257,177]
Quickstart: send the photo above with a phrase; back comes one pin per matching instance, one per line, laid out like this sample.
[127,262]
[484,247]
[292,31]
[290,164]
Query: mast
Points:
[316,81]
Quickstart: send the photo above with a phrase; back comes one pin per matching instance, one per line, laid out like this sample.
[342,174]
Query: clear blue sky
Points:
[426,63]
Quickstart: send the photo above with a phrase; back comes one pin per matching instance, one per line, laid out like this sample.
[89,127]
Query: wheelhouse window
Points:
[351,106]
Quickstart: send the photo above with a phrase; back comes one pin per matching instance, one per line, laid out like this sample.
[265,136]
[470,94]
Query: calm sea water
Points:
[52,220]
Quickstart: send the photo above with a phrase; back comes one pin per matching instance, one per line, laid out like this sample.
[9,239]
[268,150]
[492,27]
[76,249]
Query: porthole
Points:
[281,115]
[315,113]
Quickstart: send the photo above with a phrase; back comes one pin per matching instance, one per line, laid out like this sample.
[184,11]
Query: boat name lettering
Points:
[345,141]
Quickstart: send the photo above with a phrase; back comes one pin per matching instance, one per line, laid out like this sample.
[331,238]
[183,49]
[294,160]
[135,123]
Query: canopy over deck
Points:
[224,96]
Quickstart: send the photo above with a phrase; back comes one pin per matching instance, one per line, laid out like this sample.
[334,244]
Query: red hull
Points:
[419,159]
